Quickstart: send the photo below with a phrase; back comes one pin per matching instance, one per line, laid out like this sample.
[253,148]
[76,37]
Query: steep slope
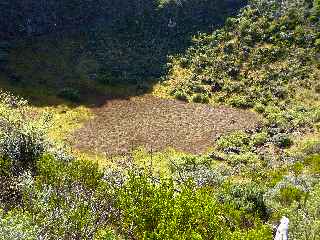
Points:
[267,58]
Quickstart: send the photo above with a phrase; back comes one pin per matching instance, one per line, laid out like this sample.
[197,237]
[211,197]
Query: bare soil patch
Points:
[154,123]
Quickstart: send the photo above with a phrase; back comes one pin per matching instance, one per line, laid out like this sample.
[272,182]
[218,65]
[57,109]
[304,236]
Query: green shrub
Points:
[17,225]
[67,205]
[304,218]
[70,94]
[247,158]
[316,7]
[200,98]
[275,116]
[248,197]
[180,95]
[240,102]
[317,44]
[259,107]
[105,234]
[158,212]
[238,139]
[297,168]
[289,192]
[22,138]
[273,177]
[5,167]
[197,169]
[314,162]
[259,139]
[316,116]
[282,140]
[53,172]
[72,199]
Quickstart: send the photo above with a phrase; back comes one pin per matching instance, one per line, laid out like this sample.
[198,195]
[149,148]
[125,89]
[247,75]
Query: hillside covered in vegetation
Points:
[244,89]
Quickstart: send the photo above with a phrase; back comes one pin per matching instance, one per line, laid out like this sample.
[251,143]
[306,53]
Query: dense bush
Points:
[314,162]
[263,58]
[22,138]
[248,197]
[282,140]
[289,191]
[17,225]
[72,200]
[67,198]
[234,142]
[70,94]
[200,98]
[197,169]
[160,213]
[301,206]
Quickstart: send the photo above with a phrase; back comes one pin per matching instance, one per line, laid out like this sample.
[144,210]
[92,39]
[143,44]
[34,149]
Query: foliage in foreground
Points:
[54,196]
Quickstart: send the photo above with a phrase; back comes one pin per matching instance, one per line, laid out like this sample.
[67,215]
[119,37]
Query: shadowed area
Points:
[154,123]
[86,52]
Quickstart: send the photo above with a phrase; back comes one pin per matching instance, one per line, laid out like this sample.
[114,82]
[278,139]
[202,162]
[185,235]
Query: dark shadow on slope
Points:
[117,56]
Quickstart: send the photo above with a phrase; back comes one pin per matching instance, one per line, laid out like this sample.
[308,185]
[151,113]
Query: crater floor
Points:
[154,123]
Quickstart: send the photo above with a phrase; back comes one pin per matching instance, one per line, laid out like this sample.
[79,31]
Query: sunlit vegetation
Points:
[264,60]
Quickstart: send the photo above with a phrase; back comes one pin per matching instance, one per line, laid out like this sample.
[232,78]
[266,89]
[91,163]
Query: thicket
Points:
[265,59]
[48,194]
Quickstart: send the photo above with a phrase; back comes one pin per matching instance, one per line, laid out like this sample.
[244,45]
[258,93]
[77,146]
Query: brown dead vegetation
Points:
[123,125]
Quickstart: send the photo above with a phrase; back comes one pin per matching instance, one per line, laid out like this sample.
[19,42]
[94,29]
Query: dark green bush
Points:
[70,94]
[282,140]
[240,102]
[248,197]
[290,194]
[105,78]
[180,95]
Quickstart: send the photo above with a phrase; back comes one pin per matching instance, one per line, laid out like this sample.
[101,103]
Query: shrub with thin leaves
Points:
[22,137]
[17,225]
